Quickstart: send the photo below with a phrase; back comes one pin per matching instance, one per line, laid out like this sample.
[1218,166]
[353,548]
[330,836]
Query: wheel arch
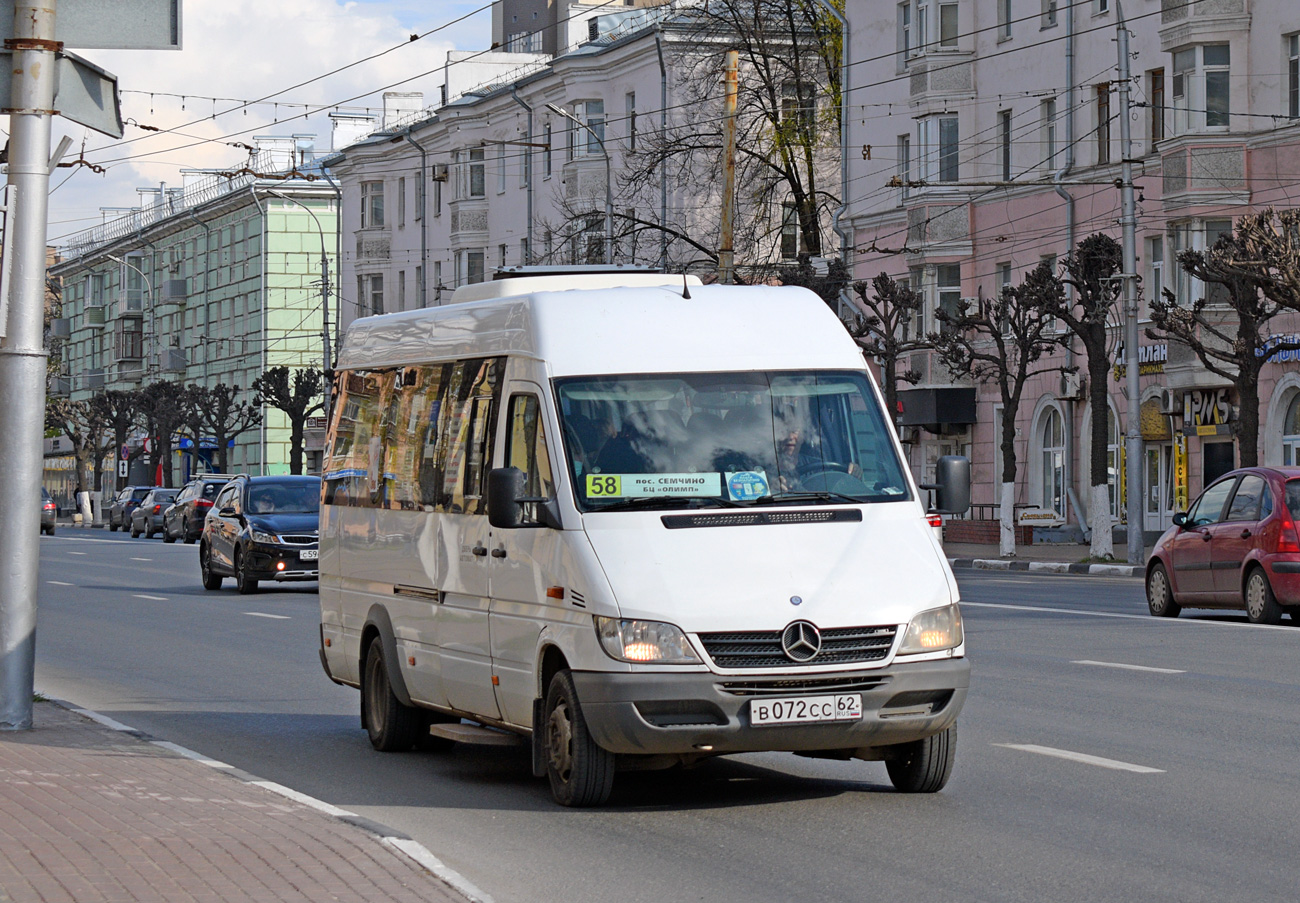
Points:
[379,624]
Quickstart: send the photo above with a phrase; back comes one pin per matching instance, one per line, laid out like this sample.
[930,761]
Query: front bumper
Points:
[262,563]
[691,712]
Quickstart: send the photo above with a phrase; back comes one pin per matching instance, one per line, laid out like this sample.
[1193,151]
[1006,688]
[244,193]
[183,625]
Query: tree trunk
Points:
[1103,545]
[888,370]
[1248,420]
[296,425]
[1007,499]
[223,454]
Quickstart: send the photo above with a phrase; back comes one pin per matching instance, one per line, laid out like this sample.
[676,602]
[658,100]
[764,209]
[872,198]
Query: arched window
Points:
[1052,441]
[1291,433]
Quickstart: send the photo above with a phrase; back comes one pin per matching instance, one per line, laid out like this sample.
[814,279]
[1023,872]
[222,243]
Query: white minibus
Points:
[634,521]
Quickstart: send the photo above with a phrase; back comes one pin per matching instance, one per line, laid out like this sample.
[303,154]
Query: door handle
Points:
[1245,534]
[1206,536]
[480,551]
[498,553]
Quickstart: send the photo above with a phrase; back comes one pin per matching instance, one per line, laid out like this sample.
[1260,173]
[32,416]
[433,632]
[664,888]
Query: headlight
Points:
[259,536]
[933,630]
[644,641]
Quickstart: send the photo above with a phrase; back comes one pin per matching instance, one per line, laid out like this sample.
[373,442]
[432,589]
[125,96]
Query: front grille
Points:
[761,518]
[298,539]
[762,649]
[811,685]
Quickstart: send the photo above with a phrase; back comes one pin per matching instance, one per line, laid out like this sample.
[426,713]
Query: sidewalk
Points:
[1052,558]
[90,814]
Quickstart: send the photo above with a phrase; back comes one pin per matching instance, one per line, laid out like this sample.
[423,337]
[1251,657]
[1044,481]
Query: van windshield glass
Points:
[688,440]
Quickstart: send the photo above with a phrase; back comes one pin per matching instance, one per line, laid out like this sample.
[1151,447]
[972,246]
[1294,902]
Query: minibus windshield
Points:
[690,440]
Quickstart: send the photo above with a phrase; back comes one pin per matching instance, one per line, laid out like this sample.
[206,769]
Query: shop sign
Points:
[1038,517]
[1291,354]
[1181,481]
[1207,412]
[1152,423]
[1151,360]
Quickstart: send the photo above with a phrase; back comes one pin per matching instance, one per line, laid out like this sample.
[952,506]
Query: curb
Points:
[412,849]
[1049,567]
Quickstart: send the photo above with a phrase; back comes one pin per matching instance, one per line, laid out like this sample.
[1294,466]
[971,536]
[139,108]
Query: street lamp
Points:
[324,291]
[609,182]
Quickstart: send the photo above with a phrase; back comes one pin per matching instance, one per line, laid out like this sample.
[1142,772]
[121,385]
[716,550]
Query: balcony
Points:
[93,317]
[1183,24]
[374,245]
[940,75]
[130,304]
[1203,169]
[127,371]
[469,222]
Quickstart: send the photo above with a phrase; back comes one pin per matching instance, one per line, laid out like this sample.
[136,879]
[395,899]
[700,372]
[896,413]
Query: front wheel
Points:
[135,534]
[581,772]
[211,580]
[112,527]
[391,726]
[924,766]
[244,583]
[1261,605]
[167,534]
[1160,598]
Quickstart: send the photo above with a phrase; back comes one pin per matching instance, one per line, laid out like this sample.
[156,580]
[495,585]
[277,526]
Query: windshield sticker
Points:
[643,485]
[747,485]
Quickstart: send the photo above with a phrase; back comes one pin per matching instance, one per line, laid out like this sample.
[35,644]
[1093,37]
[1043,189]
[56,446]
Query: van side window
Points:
[352,474]
[410,442]
[428,409]
[526,449]
[472,394]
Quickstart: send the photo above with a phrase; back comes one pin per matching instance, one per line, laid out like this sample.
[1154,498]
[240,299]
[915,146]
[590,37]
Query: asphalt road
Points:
[1103,755]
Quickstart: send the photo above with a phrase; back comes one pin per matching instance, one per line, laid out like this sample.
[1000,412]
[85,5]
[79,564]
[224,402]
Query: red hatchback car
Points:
[1237,547]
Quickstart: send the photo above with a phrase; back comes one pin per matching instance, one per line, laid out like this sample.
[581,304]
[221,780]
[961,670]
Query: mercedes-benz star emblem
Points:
[801,641]
[796,600]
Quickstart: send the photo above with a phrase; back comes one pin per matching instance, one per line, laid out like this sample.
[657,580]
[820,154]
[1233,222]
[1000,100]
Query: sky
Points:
[245,50]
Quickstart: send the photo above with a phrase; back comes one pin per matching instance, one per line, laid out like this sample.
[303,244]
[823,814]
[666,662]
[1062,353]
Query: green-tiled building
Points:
[212,282]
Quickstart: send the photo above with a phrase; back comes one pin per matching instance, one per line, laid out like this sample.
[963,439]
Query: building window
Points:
[592,114]
[524,258]
[501,256]
[789,231]
[401,289]
[372,205]
[799,103]
[437,199]
[1004,143]
[1049,14]
[419,285]
[546,151]
[1100,7]
[911,29]
[548,242]
[1293,76]
[1004,19]
[437,281]
[1201,89]
[1051,439]
[1047,115]
[1291,434]
[474,266]
[1155,269]
[370,294]
[948,26]
[1156,92]
[937,138]
[477,174]
[401,202]
[1103,123]
[904,164]
[916,281]
[629,111]
[1113,443]
[501,169]
[948,295]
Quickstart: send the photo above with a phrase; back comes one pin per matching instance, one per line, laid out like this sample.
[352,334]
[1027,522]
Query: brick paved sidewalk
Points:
[90,814]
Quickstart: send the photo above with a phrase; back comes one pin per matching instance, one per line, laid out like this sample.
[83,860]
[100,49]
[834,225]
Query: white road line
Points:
[59,583]
[78,553]
[262,614]
[1086,759]
[142,559]
[1144,618]
[150,598]
[1129,667]
[420,854]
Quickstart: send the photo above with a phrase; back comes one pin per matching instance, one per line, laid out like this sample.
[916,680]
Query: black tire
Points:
[244,583]
[211,580]
[112,527]
[391,726]
[49,531]
[924,766]
[1261,604]
[190,540]
[581,772]
[167,535]
[135,534]
[1160,596]
[148,533]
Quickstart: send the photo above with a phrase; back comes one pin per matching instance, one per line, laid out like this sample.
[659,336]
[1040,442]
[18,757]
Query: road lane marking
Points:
[142,559]
[1084,758]
[150,598]
[1129,667]
[78,553]
[1148,619]
[262,614]
[59,583]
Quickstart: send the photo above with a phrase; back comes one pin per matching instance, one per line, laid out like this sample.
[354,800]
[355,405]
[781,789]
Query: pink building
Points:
[1005,116]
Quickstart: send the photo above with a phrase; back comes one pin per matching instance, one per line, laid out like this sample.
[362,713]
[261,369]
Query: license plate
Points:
[308,554]
[805,709]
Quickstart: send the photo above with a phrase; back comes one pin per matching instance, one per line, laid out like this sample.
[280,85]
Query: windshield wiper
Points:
[823,495]
[651,502]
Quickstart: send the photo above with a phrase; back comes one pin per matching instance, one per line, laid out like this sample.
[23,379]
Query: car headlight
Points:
[259,536]
[644,641]
[933,631]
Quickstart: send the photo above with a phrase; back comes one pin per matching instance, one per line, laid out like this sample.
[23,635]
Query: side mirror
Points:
[1180,519]
[951,485]
[227,512]
[506,500]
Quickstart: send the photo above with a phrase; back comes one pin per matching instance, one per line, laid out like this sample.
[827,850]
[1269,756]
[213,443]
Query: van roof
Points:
[617,330]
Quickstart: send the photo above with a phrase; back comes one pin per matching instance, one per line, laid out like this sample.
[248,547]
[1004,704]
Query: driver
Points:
[796,458]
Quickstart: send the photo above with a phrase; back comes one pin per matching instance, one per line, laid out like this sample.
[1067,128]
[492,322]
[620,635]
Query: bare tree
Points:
[884,330]
[1091,269]
[89,435]
[120,413]
[220,414]
[162,408]
[1005,340]
[828,286]
[1231,337]
[299,395]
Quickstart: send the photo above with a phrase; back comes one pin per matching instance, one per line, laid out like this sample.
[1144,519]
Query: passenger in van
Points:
[623,453]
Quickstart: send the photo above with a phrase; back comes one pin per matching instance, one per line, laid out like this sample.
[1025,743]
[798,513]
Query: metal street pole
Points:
[22,355]
[726,250]
[1128,224]
[325,290]
[609,184]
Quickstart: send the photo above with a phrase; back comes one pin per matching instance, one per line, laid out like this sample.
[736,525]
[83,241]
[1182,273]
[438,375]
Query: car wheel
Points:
[1160,598]
[581,772]
[112,527]
[210,580]
[924,766]
[190,540]
[167,535]
[149,532]
[135,534]
[244,583]
[391,726]
[49,531]
[1261,605]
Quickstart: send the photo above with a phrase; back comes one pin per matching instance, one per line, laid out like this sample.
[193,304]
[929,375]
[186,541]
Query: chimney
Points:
[349,128]
[399,105]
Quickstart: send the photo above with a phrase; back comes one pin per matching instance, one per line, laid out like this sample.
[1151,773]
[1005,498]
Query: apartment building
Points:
[211,282]
[1000,120]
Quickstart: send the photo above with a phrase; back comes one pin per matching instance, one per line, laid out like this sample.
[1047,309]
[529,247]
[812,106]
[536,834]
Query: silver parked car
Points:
[48,512]
[147,518]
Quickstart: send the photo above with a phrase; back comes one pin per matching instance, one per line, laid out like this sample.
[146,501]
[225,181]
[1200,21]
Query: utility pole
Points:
[22,353]
[727,252]
[1128,225]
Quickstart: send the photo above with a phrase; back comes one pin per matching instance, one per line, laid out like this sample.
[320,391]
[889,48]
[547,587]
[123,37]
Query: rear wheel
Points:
[391,726]
[167,533]
[581,772]
[210,579]
[1160,598]
[112,527]
[924,766]
[1261,605]
[244,583]
[135,534]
